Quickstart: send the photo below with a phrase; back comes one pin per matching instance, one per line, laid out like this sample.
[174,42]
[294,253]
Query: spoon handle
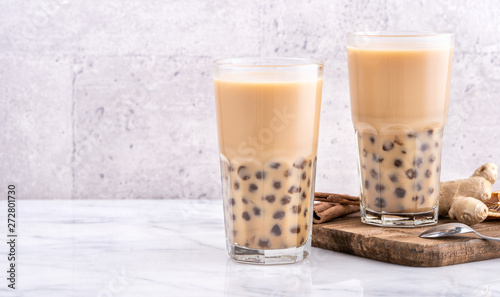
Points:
[487,237]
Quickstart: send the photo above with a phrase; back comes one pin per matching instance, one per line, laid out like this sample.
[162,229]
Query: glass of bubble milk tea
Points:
[268,118]
[399,85]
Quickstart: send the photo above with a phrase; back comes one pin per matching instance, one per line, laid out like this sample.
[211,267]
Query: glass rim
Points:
[400,34]
[274,62]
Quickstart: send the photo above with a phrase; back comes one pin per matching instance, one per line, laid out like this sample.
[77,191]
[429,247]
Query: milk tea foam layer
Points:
[399,103]
[268,133]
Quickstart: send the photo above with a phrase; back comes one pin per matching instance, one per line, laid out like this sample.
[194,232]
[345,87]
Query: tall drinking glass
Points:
[399,85]
[268,118]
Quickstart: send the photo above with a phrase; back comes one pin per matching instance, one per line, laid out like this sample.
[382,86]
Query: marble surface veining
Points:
[176,248]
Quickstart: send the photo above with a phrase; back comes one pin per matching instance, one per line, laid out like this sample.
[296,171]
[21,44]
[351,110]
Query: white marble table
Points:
[176,248]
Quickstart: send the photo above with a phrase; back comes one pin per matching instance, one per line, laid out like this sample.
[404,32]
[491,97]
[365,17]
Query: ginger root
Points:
[464,199]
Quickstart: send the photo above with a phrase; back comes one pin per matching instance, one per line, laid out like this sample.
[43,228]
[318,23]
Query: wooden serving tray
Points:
[403,246]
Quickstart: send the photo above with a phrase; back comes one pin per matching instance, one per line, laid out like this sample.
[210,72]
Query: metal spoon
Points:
[451,229]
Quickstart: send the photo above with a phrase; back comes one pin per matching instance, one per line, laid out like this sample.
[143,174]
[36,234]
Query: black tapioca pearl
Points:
[295,229]
[428,173]
[372,139]
[424,147]
[256,211]
[394,178]
[398,163]
[270,198]
[236,185]
[232,201]
[261,174]
[304,176]
[305,212]
[363,166]
[398,141]
[287,173]
[264,243]
[306,227]
[234,217]
[309,163]
[418,187]
[367,184]
[275,165]
[302,240]
[285,200]
[303,196]
[380,202]
[438,169]
[278,215]
[244,200]
[246,216]
[308,182]
[252,188]
[418,162]
[365,153]
[400,192]
[277,184]
[296,208]
[430,191]
[373,174]
[411,135]
[411,173]
[414,198]
[430,132]
[243,173]
[379,188]
[432,158]
[276,230]
[422,199]
[293,189]
[388,145]
[300,164]
[403,152]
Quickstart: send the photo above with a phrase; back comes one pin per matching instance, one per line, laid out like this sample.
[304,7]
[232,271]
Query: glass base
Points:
[386,219]
[269,257]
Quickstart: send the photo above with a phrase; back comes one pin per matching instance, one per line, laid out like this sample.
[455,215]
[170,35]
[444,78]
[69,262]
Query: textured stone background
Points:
[114,99]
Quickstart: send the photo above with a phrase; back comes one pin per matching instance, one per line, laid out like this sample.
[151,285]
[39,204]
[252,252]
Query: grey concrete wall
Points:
[114,99]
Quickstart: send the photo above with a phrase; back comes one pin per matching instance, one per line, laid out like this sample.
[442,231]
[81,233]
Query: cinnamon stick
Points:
[330,206]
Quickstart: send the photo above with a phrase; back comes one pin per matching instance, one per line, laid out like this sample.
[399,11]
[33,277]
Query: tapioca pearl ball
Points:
[365,153]
[411,135]
[234,217]
[398,163]
[430,191]
[246,216]
[236,185]
[277,184]
[308,182]
[287,173]
[374,174]
[309,163]
[295,229]
[244,173]
[232,201]
[379,188]
[296,208]
[367,184]
[428,173]
[400,192]
[305,211]
[372,139]
[388,145]
[418,187]
[302,240]
[380,202]
[276,230]
[418,162]
[264,243]
[294,189]
[398,141]
[394,178]
[376,158]
[306,226]
[430,132]
[403,152]
[424,147]
[438,169]
[260,174]
[256,211]
[286,200]
[432,158]
[244,200]
[274,165]
[270,198]
[303,196]
[411,173]
[278,215]
[252,188]
[304,176]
